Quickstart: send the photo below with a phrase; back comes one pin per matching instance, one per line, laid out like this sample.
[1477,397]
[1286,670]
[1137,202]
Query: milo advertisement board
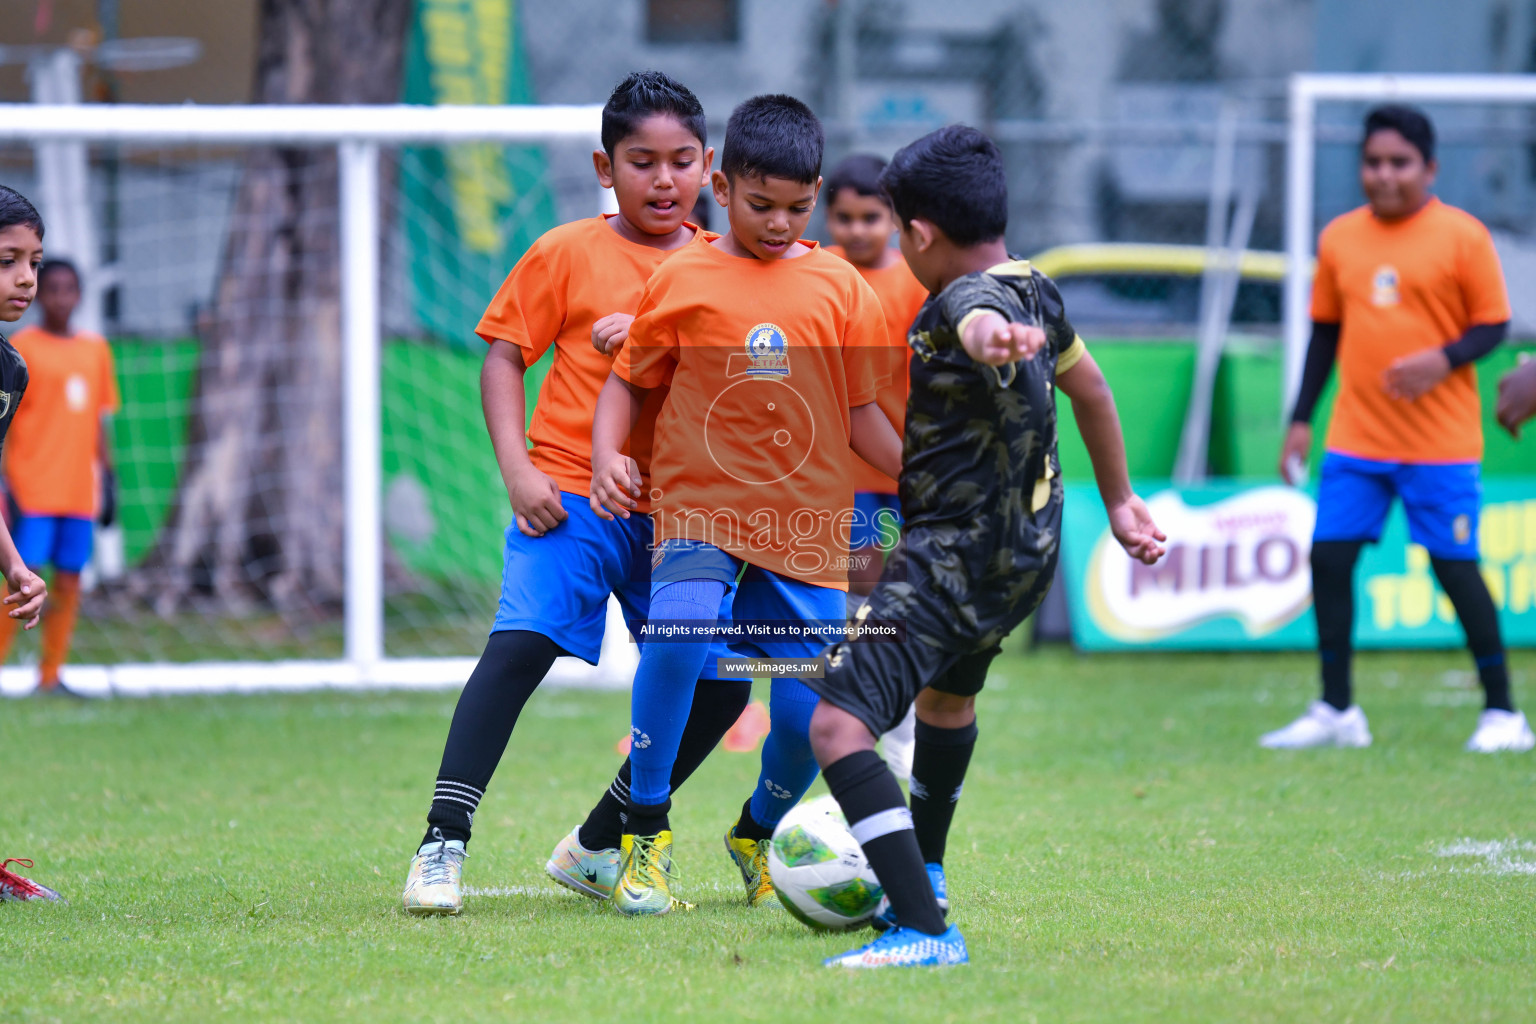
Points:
[1236,573]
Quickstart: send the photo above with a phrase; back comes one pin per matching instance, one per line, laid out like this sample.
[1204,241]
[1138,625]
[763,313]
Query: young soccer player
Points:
[1407,295]
[763,341]
[981,495]
[59,450]
[862,223]
[562,561]
[21,255]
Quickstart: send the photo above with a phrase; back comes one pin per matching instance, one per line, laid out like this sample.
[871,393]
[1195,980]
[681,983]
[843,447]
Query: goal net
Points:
[307,496]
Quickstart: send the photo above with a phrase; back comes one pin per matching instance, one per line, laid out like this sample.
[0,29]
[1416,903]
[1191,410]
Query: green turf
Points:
[1123,852]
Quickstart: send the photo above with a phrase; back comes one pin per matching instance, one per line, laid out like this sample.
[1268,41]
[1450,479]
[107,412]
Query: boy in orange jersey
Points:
[763,341]
[562,562]
[59,442]
[1408,294]
[21,256]
[861,222]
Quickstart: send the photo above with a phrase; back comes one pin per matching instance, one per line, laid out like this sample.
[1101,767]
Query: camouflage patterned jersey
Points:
[980,483]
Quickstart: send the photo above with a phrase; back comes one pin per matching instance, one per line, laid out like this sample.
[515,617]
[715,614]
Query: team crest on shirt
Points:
[5,404]
[767,351]
[1384,290]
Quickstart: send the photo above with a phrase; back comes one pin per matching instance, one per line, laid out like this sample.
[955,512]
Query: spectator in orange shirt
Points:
[58,451]
[1408,294]
[862,224]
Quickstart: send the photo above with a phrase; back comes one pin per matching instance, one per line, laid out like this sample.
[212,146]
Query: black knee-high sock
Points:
[513,664]
[877,815]
[716,706]
[938,774]
[1463,583]
[1333,602]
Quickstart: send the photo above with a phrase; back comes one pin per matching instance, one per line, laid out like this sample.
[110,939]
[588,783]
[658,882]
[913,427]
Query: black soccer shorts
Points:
[876,681]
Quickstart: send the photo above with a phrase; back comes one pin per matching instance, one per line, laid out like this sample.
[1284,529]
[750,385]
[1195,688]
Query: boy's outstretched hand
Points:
[1133,527]
[26,597]
[615,486]
[611,331]
[991,339]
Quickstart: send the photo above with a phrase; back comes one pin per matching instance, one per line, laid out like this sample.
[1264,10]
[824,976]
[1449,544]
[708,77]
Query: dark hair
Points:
[643,94]
[773,137]
[954,179]
[860,173]
[16,209]
[51,267]
[1409,122]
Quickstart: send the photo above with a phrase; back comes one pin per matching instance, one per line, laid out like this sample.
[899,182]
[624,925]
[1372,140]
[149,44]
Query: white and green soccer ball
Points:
[819,871]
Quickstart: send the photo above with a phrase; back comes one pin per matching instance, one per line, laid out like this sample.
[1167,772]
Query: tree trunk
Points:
[259,514]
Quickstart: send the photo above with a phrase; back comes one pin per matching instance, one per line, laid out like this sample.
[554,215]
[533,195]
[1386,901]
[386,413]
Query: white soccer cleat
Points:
[899,745]
[1501,730]
[433,886]
[592,873]
[1322,726]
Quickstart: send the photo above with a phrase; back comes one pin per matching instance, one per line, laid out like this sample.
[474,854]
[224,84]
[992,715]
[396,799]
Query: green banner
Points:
[1236,574]
[468,211]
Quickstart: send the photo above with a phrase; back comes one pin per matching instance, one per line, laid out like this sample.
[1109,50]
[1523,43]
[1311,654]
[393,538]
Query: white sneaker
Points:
[1322,726]
[1501,730]
[899,745]
[433,886]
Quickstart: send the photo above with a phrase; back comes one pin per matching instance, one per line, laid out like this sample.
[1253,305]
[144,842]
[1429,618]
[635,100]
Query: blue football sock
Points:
[789,767]
[664,684]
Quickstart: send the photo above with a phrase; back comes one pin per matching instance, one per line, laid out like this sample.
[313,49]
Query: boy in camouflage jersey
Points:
[981,496]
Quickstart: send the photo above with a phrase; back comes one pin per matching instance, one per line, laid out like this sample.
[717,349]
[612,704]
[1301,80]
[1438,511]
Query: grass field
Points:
[1123,852]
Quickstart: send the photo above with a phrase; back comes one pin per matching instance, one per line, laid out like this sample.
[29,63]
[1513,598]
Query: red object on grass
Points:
[749,729]
[15,888]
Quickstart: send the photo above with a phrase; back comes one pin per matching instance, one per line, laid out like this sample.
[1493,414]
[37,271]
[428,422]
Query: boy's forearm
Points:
[10,558]
[502,401]
[1098,422]
[618,409]
[874,440]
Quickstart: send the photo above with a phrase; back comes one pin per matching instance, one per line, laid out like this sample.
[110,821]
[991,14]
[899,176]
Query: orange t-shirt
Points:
[763,360]
[1399,287]
[53,446]
[573,276]
[901,296]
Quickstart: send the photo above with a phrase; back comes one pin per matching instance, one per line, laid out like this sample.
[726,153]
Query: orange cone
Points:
[749,729]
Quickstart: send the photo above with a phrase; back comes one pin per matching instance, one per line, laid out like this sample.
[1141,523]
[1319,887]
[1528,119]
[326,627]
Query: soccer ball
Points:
[819,871]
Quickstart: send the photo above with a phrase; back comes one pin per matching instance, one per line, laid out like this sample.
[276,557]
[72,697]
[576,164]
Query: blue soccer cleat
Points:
[906,947]
[885,917]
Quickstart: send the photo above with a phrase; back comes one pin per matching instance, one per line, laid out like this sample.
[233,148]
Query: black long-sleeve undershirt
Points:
[1323,350]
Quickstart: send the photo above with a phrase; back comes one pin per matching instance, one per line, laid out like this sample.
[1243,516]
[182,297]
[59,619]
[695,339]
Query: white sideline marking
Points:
[1497,856]
[536,891]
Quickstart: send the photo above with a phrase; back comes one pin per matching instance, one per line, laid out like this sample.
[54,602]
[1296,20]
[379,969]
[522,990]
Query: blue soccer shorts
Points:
[61,541]
[876,521]
[1441,499]
[755,595]
[558,584]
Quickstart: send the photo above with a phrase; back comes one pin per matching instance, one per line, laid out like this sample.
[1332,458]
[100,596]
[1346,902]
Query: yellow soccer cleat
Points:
[433,886]
[646,876]
[751,857]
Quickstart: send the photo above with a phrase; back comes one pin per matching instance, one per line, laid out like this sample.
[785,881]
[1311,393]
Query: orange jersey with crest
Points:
[763,360]
[573,276]
[54,443]
[1396,288]
[901,296]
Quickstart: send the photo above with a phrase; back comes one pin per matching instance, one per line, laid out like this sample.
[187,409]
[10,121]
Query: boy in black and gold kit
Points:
[981,496]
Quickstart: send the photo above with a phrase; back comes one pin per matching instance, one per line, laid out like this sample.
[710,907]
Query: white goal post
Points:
[357,133]
[1306,92]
